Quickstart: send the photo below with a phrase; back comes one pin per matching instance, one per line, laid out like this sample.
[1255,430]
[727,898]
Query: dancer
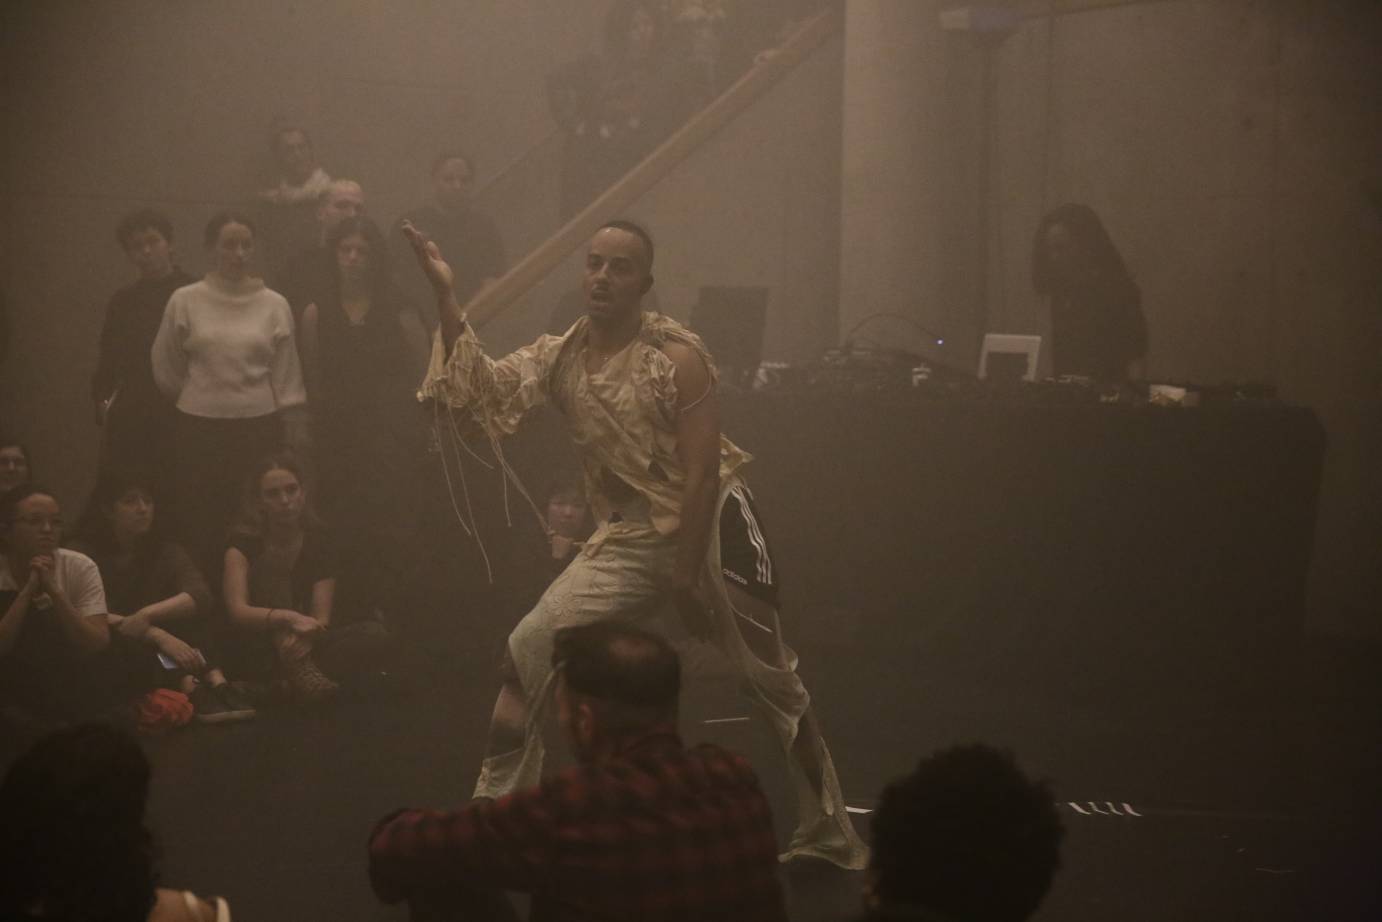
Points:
[637,391]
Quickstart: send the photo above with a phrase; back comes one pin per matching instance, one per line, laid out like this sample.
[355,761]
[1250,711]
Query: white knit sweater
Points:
[226,350]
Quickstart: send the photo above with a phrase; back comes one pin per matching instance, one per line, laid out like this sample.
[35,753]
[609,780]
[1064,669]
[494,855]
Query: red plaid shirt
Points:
[656,832]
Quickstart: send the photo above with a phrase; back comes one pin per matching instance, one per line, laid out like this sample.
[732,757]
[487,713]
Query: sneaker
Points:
[309,683]
[211,708]
[235,702]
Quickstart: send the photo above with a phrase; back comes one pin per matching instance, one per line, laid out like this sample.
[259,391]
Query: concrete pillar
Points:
[893,180]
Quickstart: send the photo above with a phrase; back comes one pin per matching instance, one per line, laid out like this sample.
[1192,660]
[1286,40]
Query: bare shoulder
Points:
[692,374]
[685,357]
[175,906]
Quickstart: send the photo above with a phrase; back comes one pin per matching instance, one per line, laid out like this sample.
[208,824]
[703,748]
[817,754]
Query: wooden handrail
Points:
[765,74]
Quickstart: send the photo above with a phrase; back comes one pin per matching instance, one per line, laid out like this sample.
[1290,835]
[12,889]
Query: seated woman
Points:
[280,586]
[74,846]
[52,615]
[158,600]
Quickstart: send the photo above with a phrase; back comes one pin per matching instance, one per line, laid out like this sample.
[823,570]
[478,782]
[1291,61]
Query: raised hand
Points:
[429,258]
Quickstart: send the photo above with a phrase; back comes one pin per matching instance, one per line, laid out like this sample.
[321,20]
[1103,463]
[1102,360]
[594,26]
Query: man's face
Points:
[37,527]
[296,161]
[616,275]
[150,252]
[576,721]
[345,200]
[451,183]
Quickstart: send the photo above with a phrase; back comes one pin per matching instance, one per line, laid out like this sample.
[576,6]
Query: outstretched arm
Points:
[442,280]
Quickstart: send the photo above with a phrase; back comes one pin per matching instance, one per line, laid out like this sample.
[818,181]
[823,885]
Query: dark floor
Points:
[1262,815]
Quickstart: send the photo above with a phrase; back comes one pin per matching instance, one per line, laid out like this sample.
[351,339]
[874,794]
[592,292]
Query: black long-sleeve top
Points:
[132,320]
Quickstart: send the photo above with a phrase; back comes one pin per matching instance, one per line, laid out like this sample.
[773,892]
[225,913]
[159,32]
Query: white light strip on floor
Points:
[726,720]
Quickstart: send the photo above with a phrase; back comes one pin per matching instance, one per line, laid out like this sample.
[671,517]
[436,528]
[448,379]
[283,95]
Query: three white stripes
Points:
[765,563]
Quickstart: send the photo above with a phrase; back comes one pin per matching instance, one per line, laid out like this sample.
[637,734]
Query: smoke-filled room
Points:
[642,460]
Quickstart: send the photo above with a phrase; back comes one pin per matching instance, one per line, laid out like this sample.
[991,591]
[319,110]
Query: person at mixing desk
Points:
[1098,330]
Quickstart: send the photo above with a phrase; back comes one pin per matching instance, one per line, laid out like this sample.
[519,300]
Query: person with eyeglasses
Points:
[53,629]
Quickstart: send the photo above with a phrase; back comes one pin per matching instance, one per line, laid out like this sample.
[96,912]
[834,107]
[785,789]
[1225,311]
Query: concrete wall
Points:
[144,102]
[1231,147]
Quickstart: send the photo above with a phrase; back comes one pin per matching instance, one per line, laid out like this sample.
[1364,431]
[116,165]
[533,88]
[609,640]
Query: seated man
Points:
[966,837]
[642,828]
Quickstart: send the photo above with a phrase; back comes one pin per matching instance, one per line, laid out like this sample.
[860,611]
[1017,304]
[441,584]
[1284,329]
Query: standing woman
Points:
[363,356]
[1097,327]
[225,354]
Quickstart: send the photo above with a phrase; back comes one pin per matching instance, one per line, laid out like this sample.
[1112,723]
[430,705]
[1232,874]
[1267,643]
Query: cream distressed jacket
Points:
[621,418]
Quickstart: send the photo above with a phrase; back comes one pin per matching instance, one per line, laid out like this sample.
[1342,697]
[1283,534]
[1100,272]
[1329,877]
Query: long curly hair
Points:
[73,839]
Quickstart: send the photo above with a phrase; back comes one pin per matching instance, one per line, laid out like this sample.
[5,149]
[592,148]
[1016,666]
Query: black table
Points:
[1144,554]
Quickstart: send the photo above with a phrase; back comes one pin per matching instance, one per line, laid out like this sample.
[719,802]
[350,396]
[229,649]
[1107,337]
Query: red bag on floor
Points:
[163,709]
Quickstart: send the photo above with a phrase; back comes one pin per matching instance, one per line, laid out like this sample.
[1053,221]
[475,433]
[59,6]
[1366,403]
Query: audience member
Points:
[226,354]
[14,464]
[364,353]
[966,837]
[568,524]
[287,210]
[74,846]
[615,108]
[159,606]
[1097,327]
[451,220]
[138,418]
[308,271]
[280,591]
[642,828]
[54,621]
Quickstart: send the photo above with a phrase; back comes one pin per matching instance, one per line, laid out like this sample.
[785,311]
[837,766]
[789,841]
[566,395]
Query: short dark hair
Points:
[93,527]
[279,127]
[637,230]
[74,839]
[453,153]
[7,442]
[220,219]
[967,835]
[143,219]
[616,663]
[565,482]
